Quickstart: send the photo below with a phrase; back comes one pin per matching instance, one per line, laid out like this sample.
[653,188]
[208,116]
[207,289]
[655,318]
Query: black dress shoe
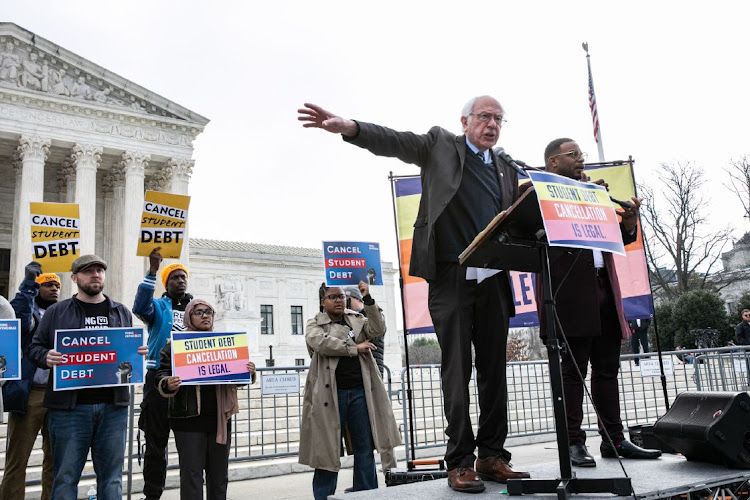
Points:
[626,449]
[580,456]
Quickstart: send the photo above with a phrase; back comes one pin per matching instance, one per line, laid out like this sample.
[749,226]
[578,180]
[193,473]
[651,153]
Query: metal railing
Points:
[268,426]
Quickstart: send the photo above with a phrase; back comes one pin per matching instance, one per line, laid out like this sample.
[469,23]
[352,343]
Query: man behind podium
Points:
[589,306]
[464,185]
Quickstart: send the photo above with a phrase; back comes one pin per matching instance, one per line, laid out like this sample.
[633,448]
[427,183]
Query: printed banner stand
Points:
[163,224]
[99,357]
[349,262]
[210,358]
[10,349]
[55,235]
[577,214]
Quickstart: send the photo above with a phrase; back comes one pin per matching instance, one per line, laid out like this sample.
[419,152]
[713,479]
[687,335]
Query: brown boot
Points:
[497,469]
[465,479]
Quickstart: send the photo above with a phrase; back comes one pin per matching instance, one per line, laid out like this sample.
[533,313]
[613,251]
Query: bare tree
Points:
[677,233]
[739,181]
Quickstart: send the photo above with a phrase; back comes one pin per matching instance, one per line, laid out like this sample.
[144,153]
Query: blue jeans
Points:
[354,416]
[103,429]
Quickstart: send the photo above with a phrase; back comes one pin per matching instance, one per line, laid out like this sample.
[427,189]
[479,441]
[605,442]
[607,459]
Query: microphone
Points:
[518,166]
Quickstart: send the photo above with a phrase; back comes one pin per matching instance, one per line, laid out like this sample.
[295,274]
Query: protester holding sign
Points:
[343,378]
[590,312]
[200,416]
[83,419]
[162,316]
[23,399]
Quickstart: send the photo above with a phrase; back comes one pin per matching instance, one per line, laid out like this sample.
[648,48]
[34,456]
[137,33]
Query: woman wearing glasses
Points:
[199,417]
[344,394]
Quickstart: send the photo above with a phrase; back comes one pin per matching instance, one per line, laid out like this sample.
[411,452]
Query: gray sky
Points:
[671,81]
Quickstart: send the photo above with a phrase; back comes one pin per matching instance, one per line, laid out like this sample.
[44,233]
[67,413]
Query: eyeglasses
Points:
[485,118]
[203,312]
[575,154]
[339,296]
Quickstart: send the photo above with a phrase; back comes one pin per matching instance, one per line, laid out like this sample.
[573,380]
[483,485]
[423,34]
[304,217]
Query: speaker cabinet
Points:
[709,427]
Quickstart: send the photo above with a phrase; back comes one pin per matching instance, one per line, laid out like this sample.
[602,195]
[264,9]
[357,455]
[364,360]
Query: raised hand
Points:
[314,116]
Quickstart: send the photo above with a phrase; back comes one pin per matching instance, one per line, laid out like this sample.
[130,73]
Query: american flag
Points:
[592,105]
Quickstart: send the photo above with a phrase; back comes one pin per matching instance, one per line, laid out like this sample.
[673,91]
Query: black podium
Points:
[515,241]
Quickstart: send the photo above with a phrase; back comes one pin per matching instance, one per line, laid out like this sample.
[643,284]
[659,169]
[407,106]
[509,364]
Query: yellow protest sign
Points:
[55,235]
[163,224]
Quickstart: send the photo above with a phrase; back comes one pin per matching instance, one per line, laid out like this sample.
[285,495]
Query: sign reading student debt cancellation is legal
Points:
[55,235]
[577,214]
[98,357]
[163,224]
[10,349]
[210,357]
[349,262]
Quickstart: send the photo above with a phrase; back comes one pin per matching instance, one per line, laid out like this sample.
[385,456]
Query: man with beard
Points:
[589,308]
[23,398]
[83,419]
[161,316]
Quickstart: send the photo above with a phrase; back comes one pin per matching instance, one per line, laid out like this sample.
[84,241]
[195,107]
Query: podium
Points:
[515,240]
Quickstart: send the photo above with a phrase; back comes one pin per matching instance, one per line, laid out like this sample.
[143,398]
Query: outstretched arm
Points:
[314,116]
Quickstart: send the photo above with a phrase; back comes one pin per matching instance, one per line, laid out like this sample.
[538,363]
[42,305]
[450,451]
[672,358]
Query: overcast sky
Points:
[671,81]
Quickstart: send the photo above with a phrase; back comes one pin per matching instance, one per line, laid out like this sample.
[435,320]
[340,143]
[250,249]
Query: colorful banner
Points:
[55,235]
[163,224]
[10,349]
[631,269]
[349,262]
[577,214]
[98,357]
[210,357]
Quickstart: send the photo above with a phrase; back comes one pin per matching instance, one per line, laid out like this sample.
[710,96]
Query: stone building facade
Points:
[73,132]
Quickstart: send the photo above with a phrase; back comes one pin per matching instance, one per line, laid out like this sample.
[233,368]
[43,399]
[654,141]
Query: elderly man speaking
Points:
[464,186]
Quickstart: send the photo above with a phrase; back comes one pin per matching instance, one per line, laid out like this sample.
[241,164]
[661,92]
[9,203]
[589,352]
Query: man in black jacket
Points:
[742,330]
[84,419]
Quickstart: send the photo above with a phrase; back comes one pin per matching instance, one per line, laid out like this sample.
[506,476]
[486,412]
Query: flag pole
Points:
[592,106]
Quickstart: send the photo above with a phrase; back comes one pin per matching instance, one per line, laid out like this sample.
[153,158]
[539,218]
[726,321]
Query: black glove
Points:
[33,270]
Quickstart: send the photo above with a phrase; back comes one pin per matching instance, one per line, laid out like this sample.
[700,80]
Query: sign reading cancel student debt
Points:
[349,262]
[210,358]
[163,224]
[98,357]
[10,349]
[55,235]
[577,214]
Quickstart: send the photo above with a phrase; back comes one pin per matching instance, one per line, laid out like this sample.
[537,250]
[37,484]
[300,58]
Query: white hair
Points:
[469,106]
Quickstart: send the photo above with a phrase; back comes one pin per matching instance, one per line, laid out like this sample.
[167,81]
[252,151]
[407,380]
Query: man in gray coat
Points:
[464,185]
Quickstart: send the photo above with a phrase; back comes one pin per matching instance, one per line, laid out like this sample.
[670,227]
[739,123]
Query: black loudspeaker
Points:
[709,427]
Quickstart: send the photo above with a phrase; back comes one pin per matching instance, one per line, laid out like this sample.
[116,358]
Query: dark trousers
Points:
[604,354]
[464,312]
[199,451]
[639,338]
[155,424]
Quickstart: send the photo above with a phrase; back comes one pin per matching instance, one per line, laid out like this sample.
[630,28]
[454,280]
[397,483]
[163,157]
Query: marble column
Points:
[133,167]
[85,158]
[33,151]
[18,169]
[66,179]
[182,170]
[114,204]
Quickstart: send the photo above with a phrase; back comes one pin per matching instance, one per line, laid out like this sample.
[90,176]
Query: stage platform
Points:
[669,476]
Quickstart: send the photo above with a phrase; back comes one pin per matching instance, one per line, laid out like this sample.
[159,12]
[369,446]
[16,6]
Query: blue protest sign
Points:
[349,262]
[101,357]
[10,349]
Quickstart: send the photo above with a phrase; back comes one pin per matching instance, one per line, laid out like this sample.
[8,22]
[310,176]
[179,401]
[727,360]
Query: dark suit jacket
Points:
[441,157]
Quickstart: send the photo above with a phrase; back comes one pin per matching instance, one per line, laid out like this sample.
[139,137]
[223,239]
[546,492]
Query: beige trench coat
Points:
[320,440]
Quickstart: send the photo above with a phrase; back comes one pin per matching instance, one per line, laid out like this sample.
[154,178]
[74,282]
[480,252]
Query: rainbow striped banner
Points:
[631,268]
